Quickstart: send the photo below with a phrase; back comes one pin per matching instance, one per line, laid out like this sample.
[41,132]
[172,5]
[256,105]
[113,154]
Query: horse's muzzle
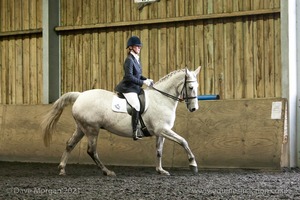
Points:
[193,109]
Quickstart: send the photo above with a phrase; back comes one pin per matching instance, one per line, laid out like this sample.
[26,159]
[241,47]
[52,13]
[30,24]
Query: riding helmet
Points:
[134,41]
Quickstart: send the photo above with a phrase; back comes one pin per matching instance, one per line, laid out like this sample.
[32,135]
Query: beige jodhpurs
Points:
[133,100]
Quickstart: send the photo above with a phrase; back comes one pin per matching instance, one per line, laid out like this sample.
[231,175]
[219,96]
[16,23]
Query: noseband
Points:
[184,98]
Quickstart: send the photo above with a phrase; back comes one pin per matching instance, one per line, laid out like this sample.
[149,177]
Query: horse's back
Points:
[93,101]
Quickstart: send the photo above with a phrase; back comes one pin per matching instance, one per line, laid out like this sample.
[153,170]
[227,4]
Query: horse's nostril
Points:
[193,109]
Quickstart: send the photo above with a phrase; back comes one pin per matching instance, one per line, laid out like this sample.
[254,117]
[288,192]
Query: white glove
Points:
[148,82]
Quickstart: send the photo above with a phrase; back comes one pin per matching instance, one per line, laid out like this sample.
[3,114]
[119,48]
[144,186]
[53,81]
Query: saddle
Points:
[119,104]
[142,100]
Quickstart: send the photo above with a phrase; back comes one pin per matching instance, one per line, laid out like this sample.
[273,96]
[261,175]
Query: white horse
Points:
[92,111]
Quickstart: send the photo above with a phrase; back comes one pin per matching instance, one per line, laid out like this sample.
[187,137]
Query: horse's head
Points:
[190,89]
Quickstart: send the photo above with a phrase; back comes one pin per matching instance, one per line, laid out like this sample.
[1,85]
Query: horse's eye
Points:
[190,87]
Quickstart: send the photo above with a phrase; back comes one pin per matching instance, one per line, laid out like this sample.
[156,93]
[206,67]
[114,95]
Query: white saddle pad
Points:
[120,105]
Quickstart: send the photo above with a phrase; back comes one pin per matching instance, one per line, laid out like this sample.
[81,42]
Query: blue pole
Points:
[208,97]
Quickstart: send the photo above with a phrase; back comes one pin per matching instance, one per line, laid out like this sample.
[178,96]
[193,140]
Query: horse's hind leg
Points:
[76,137]
[92,151]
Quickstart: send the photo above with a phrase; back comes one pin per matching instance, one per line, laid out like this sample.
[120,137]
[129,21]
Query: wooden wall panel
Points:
[21,51]
[254,140]
[240,55]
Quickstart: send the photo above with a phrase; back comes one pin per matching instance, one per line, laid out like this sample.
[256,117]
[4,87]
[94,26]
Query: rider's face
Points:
[136,49]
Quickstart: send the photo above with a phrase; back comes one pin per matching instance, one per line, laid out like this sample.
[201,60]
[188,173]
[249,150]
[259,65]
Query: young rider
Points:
[132,82]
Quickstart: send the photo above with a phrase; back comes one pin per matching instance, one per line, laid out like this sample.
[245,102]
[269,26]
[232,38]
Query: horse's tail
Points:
[51,118]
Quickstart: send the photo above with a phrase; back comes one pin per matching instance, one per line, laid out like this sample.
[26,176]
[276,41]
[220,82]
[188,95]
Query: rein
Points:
[174,97]
[168,95]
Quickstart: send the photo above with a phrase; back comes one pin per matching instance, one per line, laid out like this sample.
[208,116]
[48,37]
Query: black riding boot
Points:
[134,123]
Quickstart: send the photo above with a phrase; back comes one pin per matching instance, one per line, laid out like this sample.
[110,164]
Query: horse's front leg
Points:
[159,149]
[180,140]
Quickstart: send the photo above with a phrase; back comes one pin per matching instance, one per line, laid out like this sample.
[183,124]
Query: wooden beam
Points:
[168,20]
[21,32]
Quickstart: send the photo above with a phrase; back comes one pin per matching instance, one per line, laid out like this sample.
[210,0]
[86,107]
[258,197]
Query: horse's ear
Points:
[197,70]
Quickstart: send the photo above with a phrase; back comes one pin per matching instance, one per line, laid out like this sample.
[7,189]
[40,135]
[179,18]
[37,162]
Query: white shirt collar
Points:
[136,56]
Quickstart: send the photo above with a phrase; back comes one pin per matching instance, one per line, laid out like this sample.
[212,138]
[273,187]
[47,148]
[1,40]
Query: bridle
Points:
[182,98]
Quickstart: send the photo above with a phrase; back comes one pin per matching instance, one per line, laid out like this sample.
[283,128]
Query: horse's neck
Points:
[172,85]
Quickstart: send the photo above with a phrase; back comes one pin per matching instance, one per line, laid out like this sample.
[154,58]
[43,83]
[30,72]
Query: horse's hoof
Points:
[194,169]
[162,172]
[62,173]
[109,173]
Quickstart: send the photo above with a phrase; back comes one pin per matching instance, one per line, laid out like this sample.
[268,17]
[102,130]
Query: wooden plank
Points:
[63,12]
[171,9]
[171,46]
[127,15]
[39,13]
[4,58]
[32,15]
[25,15]
[198,7]
[80,66]
[77,9]
[161,9]
[199,53]
[153,54]
[269,56]
[208,69]
[33,71]
[218,39]
[277,58]
[248,54]
[94,16]
[228,6]
[70,20]
[118,11]
[1,66]
[26,70]
[162,52]
[33,81]
[189,46]
[10,16]
[119,58]
[180,46]
[87,82]
[257,4]
[86,10]
[95,60]
[144,56]
[110,62]
[3,14]
[135,12]
[188,7]
[19,70]
[12,72]
[259,58]
[40,74]
[228,78]
[238,59]
[218,57]
[17,17]
[103,60]
[64,56]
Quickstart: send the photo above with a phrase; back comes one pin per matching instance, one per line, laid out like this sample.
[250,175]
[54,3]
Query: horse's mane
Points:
[169,75]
